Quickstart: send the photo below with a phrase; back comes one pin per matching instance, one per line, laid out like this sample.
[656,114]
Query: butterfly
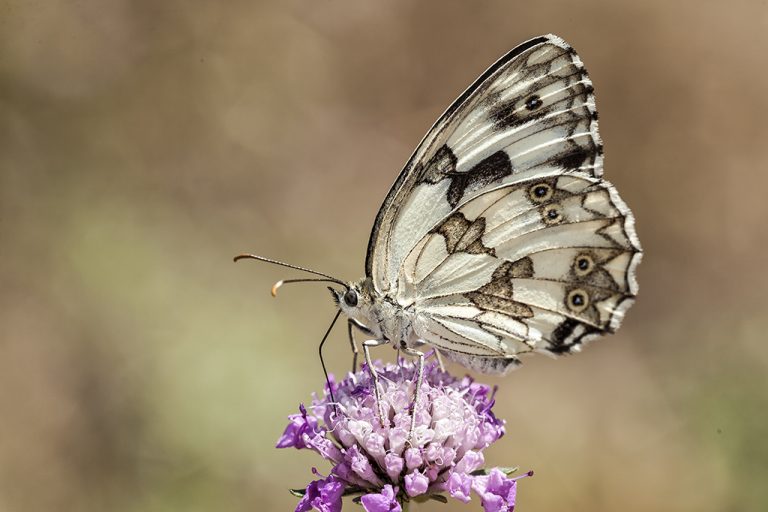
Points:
[500,236]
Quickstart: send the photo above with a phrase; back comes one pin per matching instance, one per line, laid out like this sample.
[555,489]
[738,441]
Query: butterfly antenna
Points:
[280,283]
[324,277]
[322,361]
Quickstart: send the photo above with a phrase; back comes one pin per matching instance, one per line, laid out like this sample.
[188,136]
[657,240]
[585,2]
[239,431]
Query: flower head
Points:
[454,423]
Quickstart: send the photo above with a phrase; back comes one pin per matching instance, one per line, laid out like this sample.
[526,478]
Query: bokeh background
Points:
[144,143]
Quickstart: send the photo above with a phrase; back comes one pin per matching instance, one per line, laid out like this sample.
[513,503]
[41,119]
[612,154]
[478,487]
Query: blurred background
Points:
[143,144]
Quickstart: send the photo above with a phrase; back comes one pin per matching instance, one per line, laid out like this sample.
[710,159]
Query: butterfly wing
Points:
[543,264]
[531,111]
[502,197]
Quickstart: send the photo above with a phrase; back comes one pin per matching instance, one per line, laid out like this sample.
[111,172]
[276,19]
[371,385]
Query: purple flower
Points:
[299,425]
[383,502]
[454,423]
[323,495]
[497,491]
[459,485]
[416,483]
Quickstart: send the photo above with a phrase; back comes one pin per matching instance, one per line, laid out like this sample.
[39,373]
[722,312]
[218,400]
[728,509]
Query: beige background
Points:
[144,143]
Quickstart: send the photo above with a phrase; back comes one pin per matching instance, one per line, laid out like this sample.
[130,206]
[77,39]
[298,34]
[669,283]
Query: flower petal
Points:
[416,483]
[471,461]
[413,458]
[382,502]
[459,486]
[299,425]
[497,491]
[323,495]
[393,465]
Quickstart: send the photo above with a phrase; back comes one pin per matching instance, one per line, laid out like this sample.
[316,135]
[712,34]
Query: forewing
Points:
[530,114]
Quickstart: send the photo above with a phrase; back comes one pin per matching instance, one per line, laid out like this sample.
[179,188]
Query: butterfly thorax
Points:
[381,314]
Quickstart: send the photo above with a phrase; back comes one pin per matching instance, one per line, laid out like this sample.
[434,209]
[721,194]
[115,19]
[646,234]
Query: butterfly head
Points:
[355,300]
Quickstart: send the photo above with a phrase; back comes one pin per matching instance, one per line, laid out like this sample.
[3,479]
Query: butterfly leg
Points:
[353,345]
[439,360]
[419,379]
[350,324]
[376,393]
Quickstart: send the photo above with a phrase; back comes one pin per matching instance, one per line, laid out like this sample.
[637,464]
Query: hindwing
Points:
[541,264]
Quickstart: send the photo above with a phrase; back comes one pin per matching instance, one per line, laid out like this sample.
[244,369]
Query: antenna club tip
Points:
[240,257]
[275,288]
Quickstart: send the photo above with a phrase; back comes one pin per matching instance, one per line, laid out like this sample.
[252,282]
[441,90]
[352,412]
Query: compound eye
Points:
[350,298]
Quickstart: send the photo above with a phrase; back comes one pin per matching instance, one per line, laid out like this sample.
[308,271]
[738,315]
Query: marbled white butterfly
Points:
[500,237]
